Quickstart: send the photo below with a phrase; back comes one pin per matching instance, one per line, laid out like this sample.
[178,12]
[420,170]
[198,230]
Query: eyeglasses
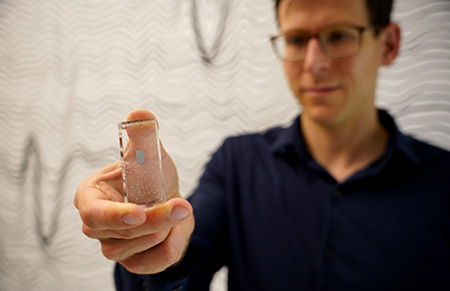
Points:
[337,41]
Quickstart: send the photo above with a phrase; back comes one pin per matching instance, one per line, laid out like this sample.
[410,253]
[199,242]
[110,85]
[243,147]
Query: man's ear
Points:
[391,36]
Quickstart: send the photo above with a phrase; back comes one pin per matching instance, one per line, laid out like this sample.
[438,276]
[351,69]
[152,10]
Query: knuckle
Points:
[75,201]
[87,231]
[126,234]
[86,217]
[171,254]
[110,251]
[160,236]
[133,267]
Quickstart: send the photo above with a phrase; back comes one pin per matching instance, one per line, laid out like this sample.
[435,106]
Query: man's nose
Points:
[315,60]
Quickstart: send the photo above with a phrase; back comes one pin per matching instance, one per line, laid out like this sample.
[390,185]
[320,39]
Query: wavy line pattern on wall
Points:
[70,70]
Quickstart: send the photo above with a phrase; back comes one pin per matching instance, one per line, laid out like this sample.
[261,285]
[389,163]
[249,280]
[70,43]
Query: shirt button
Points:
[329,253]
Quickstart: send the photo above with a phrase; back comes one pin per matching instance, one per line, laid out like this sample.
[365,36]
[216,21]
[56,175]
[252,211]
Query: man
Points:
[340,200]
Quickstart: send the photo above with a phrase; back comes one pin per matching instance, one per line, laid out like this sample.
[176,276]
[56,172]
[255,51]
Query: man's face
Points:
[332,91]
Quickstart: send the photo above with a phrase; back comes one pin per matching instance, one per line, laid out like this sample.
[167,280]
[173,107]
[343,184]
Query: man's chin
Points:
[322,116]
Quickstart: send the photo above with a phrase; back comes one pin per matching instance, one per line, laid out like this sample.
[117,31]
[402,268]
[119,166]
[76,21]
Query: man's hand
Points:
[145,241]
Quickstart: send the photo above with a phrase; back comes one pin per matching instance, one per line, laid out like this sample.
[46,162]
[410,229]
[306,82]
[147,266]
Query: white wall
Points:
[70,70]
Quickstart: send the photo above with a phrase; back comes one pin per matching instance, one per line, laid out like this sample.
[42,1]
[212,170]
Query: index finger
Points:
[101,207]
[157,219]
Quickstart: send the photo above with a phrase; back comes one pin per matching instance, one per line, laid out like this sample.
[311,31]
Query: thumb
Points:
[139,114]
[170,175]
[140,128]
[141,158]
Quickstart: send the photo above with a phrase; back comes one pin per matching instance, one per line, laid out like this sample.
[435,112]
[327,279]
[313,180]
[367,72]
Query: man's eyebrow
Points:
[305,31]
[295,31]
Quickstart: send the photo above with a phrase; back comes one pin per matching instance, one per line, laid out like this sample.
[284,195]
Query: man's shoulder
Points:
[425,152]
[416,148]
[246,149]
[264,138]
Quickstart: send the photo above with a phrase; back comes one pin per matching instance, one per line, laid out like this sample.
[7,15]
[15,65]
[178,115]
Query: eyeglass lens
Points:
[335,42]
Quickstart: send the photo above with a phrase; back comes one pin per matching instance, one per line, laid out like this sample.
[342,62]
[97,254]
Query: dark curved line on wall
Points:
[209,54]
[34,169]
[32,162]
[32,154]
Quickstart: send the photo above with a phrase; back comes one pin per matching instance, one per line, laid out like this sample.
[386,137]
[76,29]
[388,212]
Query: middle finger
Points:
[121,249]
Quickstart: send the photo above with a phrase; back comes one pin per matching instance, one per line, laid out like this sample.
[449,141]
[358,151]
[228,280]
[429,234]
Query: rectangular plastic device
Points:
[140,155]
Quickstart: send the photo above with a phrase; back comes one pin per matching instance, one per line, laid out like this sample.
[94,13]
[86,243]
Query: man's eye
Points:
[340,36]
[296,40]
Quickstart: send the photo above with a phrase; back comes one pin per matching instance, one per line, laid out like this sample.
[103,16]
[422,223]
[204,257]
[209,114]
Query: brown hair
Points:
[379,12]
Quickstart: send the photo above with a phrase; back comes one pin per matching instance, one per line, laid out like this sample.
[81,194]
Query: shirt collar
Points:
[398,142]
[290,144]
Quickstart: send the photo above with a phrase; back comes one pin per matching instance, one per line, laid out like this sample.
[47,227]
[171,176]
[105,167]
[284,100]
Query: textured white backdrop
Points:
[70,70]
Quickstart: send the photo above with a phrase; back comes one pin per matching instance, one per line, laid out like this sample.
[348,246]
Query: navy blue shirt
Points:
[267,210]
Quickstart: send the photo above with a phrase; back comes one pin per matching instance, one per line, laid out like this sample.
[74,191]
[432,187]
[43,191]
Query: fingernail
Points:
[131,219]
[179,213]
